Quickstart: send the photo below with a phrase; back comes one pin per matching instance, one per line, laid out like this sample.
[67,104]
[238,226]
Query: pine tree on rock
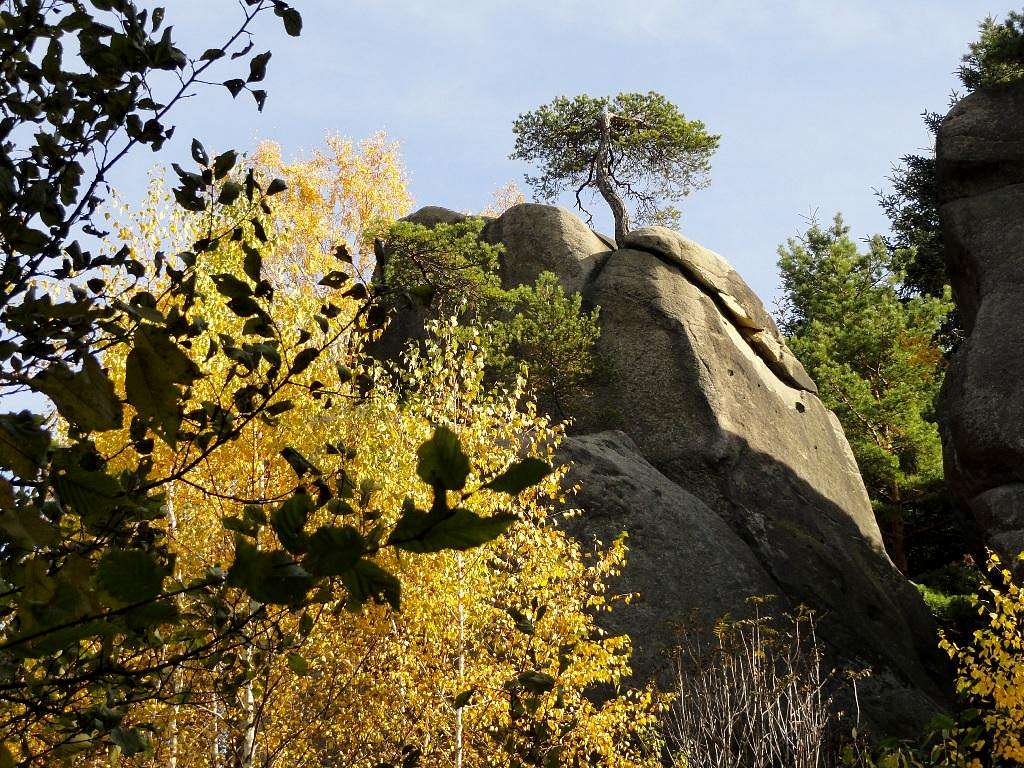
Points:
[632,148]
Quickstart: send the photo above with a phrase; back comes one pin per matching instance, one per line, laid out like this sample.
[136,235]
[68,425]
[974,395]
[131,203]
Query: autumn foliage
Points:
[490,658]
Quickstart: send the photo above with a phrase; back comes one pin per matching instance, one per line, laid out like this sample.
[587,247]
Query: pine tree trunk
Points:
[897,532]
[604,181]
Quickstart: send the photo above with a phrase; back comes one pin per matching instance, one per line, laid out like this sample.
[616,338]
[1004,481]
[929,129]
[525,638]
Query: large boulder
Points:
[543,238]
[716,277]
[685,563]
[704,406]
[980,167]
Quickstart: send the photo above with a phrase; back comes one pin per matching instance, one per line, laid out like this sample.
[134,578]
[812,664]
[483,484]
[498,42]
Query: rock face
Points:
[703,439]
[673,537]
[539,238]
[720,417]
[980,166]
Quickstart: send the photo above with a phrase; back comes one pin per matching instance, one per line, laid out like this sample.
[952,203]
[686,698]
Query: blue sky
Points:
[813,99]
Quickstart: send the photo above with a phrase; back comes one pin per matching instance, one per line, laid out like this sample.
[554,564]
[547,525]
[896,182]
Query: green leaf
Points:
[289,521]
[463,698]
[298,664]
[276,186]
[253,263]
[334,279]
[291,18]
[268,577]
[199,153]
[130,575]
[299,463]
[333,550]
[244,527]
[461,529]
[367,581]
[223,163]
[85,398]
[304,359]
[536,682]
[27,240]
[94,495]
[520,476]
[281,406]
[442,461]
[27,527]
[230,286]
[155,369]
[130,740]
[234,85]
[229,192]
[23,444]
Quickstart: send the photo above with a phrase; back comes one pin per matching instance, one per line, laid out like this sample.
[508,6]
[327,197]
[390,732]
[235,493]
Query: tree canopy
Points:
[874,358]
[997,56]
[535,331]
[633,149]
[436,678]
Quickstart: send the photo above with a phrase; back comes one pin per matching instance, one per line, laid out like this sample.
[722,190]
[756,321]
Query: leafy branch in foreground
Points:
[96,623]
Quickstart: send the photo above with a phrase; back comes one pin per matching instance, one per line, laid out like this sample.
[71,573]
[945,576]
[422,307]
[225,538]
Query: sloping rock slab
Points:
[707,411]
[738,302]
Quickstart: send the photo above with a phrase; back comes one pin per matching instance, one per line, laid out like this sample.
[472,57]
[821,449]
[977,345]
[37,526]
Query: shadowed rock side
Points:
[980,166]
[703,440]
[688,565]
[706,410]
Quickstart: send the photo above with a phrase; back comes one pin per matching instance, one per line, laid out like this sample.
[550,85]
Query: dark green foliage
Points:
[130,575]
[552,335]
[442,462]
[535,329]
[520,476]
[997,56]
[950,591]
[448,266]
[945,742]
[913,211]
[635,146]
[873,355]
[155,373]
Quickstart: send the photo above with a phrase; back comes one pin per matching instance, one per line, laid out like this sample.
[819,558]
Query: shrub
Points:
[991,666]
[454,273]
[551,334]
[755,695]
